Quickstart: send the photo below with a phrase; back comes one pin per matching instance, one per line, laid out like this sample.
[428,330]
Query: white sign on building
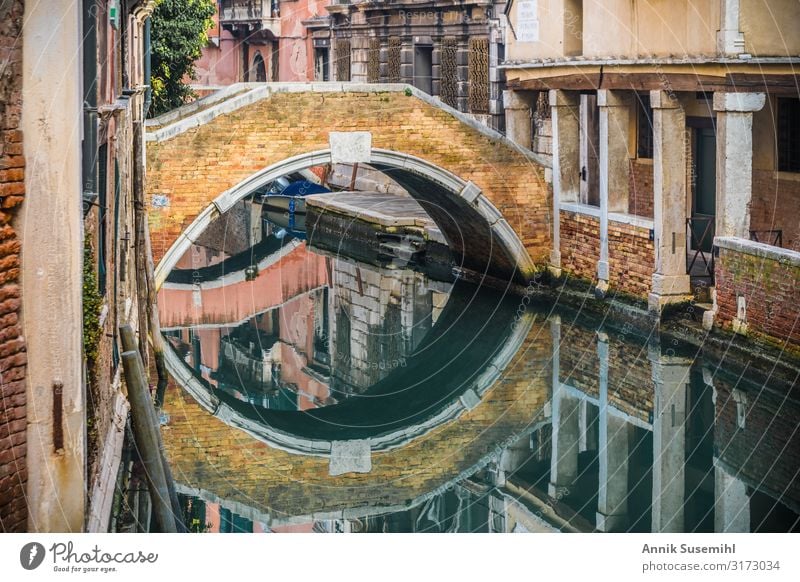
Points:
[527,21]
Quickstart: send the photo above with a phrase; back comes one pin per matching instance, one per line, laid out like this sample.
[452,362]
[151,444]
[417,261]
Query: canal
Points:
[322,383]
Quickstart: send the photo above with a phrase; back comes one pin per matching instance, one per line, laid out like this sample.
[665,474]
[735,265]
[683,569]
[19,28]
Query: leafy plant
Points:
[92,306]
[178,33]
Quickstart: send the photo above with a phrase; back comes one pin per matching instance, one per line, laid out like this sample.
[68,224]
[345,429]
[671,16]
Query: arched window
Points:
[259,69]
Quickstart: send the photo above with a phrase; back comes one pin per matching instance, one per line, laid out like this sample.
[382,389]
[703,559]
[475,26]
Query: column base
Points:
[601,289]
[611,523]
[555,264]
[668,289]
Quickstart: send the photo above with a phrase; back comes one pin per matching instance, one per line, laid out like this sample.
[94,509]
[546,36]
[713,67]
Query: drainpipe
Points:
[89,144]
[148,93]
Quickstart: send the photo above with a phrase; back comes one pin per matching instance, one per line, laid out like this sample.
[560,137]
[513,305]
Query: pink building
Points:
[265,40]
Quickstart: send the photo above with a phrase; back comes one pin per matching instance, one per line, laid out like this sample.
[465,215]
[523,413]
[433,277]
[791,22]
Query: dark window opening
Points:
[423,68]
[321,64]
[789,135]
[644,127]
[259,69]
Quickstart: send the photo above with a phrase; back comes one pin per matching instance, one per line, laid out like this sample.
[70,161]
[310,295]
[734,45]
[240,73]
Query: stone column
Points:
[518,110]
[565,115]
[612,498]
[735,160]
[731,502]
[730,40]
[670,281]
[670,377]
[615,107]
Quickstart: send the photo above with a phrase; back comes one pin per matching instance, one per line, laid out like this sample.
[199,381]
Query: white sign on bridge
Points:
[528,21]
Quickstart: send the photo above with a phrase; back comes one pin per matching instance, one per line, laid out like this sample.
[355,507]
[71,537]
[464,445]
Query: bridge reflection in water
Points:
[319,392]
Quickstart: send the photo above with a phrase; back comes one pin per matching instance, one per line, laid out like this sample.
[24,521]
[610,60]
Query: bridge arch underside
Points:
[481,241]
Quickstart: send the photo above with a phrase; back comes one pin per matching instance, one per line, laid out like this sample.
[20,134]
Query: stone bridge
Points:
[487,195]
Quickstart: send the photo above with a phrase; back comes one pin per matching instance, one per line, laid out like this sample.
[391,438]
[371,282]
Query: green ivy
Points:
[92,306]
[178,34]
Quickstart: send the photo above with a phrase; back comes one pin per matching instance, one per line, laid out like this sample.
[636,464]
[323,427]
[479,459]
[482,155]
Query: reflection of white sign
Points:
[528,21]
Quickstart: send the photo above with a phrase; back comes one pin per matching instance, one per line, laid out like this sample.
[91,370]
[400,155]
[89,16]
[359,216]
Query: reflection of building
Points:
[379,316]
[304,332]
[641,441]
[656,153]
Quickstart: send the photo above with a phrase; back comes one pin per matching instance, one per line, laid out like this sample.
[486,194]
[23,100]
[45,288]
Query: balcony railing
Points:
[250,16]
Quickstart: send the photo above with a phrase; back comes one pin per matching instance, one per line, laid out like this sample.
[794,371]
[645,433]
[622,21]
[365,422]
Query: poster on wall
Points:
[528,21]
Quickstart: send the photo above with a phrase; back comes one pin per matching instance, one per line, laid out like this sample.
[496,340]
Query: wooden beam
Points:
[653,81]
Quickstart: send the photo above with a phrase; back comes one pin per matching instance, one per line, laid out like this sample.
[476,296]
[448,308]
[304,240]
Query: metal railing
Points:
[769,237]
[247,10]
[700,252]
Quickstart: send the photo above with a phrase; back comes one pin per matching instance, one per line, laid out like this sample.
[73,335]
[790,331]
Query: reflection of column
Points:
[612,497]
[670,377]
[670,281]
[731,502]
[564,459]
[565,429]
[566,179]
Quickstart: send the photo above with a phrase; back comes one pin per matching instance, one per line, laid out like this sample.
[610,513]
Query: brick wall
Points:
[631,258]
[580,244]
[774,207]
[631,253]
[640,199]
[13,471]
[768,284]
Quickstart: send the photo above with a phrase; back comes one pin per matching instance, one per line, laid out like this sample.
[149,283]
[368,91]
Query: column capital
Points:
[613,98]
[742,102]
[663,100]
[516,100]
[561,98]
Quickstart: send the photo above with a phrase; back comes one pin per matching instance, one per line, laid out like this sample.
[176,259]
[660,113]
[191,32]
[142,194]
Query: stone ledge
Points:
[756,249]
[594,211]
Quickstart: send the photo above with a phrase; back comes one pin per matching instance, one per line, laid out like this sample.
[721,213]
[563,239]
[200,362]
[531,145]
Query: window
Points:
[644,127]
[788,135]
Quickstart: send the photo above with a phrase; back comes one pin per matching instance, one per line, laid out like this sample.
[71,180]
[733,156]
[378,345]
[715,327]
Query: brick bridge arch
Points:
[487,195]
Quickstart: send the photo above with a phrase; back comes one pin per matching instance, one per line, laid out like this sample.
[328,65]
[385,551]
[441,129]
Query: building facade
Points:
[672,131]
[71,273]
[447,49]
[260,40]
